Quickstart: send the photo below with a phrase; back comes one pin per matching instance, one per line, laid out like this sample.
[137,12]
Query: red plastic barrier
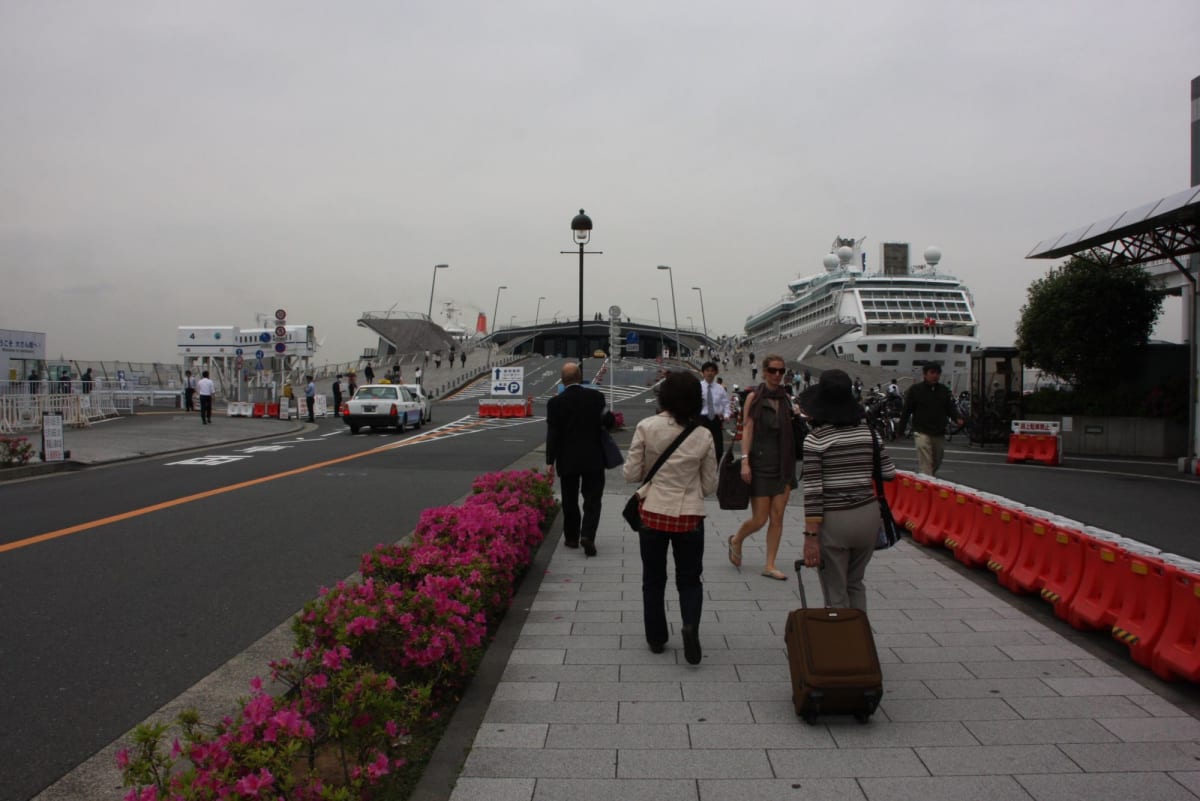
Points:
[1177,652]
[1064,568]
[273,410]
[1020,447]
[1046,449]
[259,410]
[941,513]
[1097,601]
[1145,595]
[1006,546]
[1028,572]
[914,495]
[995,526]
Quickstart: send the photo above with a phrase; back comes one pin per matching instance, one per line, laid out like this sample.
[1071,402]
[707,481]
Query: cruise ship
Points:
[898,317]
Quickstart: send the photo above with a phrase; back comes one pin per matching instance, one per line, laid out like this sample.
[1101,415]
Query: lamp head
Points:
[581,228]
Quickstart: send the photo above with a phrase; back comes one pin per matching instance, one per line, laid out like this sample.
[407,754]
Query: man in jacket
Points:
[574,419]
[929,404]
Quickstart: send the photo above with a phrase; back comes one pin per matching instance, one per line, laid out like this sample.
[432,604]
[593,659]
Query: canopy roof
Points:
[1163,229]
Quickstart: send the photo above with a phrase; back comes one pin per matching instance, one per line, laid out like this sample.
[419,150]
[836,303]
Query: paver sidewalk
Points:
[981,701]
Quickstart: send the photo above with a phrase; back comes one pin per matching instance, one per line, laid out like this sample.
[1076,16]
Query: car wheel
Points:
[401,423]
[420,422]
[353,428]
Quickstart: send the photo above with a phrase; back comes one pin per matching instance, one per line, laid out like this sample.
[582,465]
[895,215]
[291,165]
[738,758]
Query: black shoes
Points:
[691,645]
[657,647]
[571,543]
[589,547]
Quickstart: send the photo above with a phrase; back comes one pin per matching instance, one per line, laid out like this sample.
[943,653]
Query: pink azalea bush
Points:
[15,451]
[369,655]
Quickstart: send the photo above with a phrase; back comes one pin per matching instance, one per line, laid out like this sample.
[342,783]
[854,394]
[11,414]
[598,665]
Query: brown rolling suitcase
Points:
[834,664]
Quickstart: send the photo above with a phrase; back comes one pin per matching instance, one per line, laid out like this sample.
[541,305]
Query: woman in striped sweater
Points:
[841,515]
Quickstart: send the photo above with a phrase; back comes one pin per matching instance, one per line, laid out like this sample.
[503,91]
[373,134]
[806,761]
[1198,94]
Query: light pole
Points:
[538,313]
[581,232]
[674,311]
[691,323]
[436,267]
[510,320]
[703,319]
[658,306]
[496,308]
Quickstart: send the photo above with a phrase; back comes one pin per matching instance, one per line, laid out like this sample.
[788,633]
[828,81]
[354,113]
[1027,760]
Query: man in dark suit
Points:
[574,420]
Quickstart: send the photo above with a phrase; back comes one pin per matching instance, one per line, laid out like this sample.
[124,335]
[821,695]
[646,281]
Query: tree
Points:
[1086,319]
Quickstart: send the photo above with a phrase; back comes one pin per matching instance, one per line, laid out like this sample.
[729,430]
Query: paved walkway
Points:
[982,700]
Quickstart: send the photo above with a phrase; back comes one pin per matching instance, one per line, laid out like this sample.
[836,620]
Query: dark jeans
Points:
[189,400]
[592,483]
[206,408]
[688,550]
[308,402]
[717,427]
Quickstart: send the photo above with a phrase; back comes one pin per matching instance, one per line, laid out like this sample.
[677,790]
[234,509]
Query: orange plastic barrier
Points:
[941,513]
[1006,547]
[1034,441]
[995,525]
[1097,601]
[1177,653]
[914,498]
[1046,450]
[1145,595]
[1064,568]
[1020,448]
[1029,568]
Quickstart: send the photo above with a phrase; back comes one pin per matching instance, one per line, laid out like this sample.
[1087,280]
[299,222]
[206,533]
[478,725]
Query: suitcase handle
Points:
[799,565]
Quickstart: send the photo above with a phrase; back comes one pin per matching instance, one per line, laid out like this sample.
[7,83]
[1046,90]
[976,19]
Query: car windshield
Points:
[376,393]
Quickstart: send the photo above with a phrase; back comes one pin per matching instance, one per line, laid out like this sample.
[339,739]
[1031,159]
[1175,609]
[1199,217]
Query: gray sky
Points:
[174,163]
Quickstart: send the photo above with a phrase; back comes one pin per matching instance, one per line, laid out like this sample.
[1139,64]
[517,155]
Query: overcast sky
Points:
[193,163]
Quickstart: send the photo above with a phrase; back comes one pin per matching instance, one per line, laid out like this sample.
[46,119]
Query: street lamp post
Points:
[436,267]
[496,308]
[511,318]
[658,306]
[581,232]
[703,318]
[538,313]
[674,311]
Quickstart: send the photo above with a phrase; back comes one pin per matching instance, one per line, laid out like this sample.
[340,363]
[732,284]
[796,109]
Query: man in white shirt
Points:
[714,406]
[205,388]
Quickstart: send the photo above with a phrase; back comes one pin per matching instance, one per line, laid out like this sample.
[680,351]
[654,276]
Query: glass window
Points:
[881,347]
[863,348]
[923,347]
[889,363]
[899,347]
[940,348]
[958,348]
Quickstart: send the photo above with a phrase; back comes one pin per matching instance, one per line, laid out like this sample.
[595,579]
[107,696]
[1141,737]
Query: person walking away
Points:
[841,515]
[462,359]
[672,509]
[437,360]
[351,385]
[369,373]
[929,405]
[87,381]
[417,375]
[205,388]
[310,396]
[714,408]
[770,464]
[189,391]
[574,419]
[337,395]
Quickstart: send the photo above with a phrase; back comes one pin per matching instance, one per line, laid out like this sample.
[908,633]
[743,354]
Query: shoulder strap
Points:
[667,453]
[877,463]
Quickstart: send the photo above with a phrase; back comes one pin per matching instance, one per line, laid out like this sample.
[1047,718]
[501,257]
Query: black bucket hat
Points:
[831,400]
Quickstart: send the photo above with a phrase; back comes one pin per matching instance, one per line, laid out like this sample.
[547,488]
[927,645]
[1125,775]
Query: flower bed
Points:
[377,664]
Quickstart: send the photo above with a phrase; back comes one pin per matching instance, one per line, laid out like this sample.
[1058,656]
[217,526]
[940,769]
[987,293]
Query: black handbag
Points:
[799,432]
[612,454]
[889,533]
[732,491]
[633,507]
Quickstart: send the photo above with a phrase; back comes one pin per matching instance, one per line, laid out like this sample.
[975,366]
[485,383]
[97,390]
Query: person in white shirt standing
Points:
[205,388]
[714,408]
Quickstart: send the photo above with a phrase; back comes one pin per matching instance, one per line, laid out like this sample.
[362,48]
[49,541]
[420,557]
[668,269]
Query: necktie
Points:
[711,410]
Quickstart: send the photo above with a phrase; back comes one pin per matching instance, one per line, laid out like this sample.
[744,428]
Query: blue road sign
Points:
[238,352]
[258,354]
[264,337]
[280,347]
[258,365]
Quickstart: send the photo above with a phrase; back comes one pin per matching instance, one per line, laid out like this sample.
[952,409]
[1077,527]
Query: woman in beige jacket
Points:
[673,508]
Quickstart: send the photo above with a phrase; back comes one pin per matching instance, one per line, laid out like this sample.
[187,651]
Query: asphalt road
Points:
[155,572]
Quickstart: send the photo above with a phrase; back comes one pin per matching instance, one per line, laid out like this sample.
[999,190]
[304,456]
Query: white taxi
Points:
[418,393]
[382,406]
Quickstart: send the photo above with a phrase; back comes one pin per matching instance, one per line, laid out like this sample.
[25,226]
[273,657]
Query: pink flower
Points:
[253,784]
[123,758]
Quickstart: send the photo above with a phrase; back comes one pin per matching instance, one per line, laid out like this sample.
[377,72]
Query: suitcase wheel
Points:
[862,717]
[810,718]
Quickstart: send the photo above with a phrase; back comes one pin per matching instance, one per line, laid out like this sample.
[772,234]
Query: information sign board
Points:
[53,446]
[508,381]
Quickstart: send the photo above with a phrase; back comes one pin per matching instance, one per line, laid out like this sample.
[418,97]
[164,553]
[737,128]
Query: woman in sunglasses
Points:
[769,466]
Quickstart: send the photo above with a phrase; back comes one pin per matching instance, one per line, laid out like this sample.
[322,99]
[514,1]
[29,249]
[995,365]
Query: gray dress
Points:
[765,478]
